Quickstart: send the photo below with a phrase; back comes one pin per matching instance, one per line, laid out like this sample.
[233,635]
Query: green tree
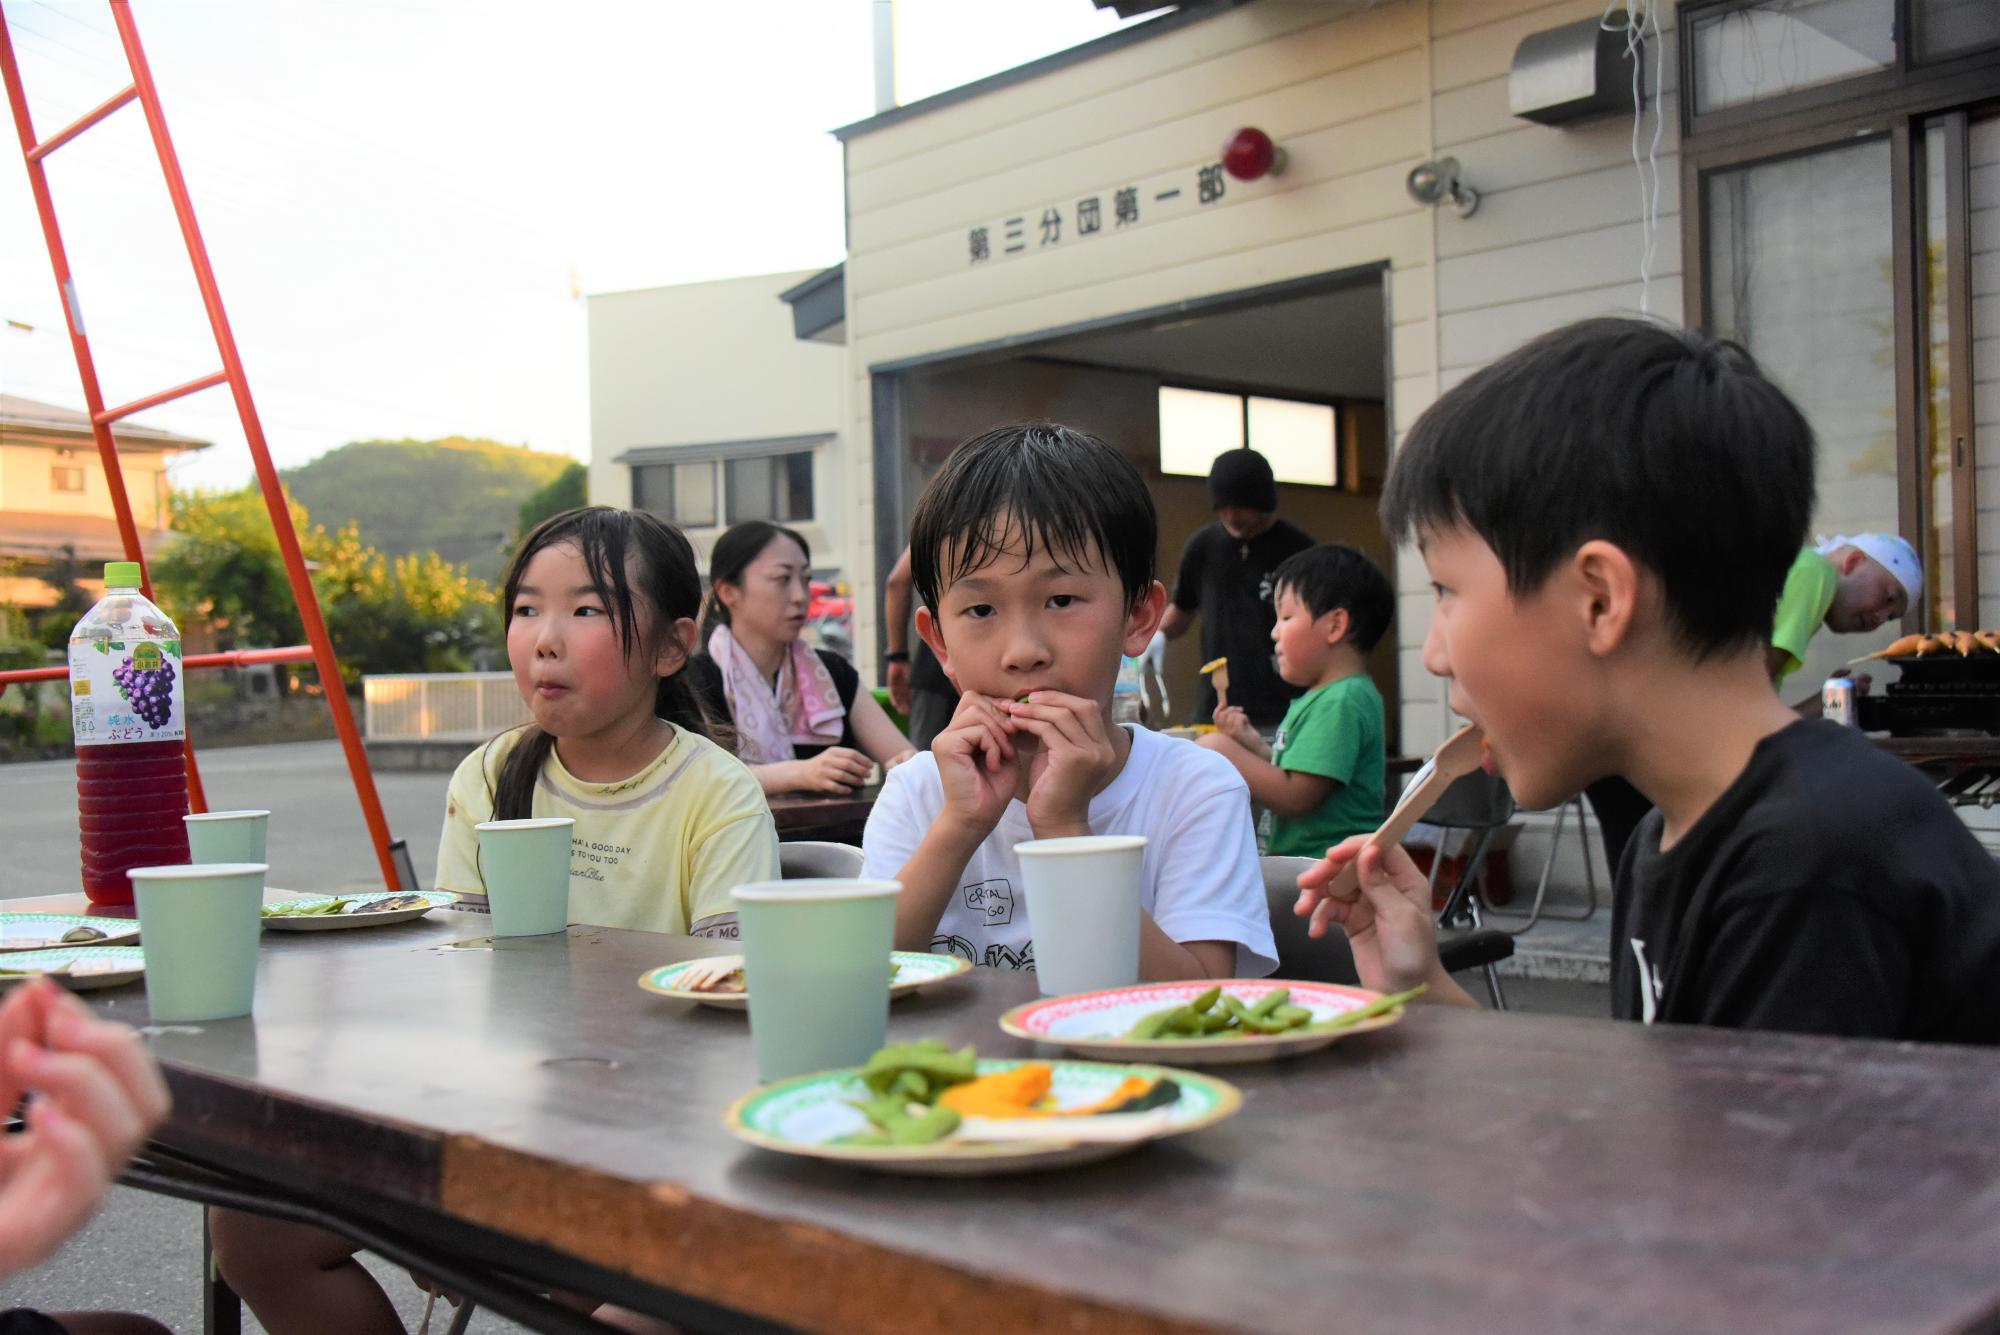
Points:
[569,490]
[413,613]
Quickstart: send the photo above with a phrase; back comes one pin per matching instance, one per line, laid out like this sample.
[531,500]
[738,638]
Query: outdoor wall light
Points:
[1436,182]
[1250,154]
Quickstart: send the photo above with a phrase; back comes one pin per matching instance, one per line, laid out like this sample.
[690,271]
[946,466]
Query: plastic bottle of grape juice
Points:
[129,716]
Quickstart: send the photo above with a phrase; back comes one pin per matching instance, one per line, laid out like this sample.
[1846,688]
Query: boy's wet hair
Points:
[1666,442]
[616,546]
[1333,576]
[1038,484]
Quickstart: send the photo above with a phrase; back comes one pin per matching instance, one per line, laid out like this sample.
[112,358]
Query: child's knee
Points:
[250,1249]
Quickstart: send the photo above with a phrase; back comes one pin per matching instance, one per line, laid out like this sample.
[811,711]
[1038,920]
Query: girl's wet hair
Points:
[1030,484]
[732,554]
[620,549]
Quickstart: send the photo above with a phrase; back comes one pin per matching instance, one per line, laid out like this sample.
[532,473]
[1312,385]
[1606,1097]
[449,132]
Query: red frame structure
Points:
[319,647]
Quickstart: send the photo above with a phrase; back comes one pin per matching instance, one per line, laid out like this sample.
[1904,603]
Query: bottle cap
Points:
[121,575]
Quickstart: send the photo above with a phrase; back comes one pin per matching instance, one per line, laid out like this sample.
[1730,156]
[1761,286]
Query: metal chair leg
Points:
[1535,914]
[221,1309]
[1493,988]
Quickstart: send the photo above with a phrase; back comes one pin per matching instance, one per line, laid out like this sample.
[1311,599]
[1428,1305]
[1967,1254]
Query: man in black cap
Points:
[1225,577]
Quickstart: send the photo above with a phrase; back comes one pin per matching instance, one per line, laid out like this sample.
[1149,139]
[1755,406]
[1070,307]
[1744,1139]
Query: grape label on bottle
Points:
[126,691]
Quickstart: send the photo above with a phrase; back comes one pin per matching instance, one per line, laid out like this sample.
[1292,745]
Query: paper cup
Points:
[525,864]
[1083,910]
[199,926]
[816,965]
[227,836]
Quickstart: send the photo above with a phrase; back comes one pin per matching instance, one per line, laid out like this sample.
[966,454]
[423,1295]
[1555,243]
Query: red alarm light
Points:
[1250,154]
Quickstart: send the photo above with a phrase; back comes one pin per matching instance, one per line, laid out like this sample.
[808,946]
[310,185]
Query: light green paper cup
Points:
[525,864]
[816,966]
[200,926]
[227,836]
[1082,896]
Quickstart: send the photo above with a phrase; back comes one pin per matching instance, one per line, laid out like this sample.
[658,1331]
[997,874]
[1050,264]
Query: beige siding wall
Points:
[1556,238]
[1357,96]
[1985,236]
[1341,86]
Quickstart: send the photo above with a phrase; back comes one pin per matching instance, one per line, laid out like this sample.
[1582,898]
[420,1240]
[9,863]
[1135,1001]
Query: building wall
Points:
[707,363]
[1556,238]
[26,473]
[1357,96]
[1341,86]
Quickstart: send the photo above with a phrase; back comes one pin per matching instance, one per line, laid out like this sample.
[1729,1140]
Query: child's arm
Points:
[1163,959]
[1288,792]
[879,737]
[1388,924]
[975,760]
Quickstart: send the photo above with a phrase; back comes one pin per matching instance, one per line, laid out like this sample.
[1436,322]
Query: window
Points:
[708,493]
[683,493]
[1778,47]
[64,477]
[1845,235]
[1301,439]
[777,487]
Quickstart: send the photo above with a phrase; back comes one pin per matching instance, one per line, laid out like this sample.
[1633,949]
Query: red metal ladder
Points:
[319,649]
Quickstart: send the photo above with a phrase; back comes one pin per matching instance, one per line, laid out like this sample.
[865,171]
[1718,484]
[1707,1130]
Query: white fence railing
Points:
[442,706]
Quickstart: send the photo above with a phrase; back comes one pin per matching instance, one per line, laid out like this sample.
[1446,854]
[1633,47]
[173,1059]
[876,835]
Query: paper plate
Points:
[78,968]
[913,970]
[1095,1023]
[334,922]
[800,1116]
[44,931]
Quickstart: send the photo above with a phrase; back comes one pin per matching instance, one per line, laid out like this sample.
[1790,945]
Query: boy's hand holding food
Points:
[1233,723]
[1076,759]
[1388,923]
[976,765]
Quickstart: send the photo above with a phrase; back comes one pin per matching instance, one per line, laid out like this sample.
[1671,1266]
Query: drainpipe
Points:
[885,55]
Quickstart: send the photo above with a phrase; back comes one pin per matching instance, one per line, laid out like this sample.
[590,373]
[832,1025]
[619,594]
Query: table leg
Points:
[221,1309]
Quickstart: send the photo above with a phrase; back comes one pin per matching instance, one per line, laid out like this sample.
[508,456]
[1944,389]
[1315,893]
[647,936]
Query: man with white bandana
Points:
[1850,585]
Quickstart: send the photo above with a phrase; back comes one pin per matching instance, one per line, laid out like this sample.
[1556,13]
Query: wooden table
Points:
[837,820]
[1472,1171]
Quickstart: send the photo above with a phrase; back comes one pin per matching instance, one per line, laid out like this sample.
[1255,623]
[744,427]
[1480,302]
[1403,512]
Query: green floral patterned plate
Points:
[914,969]
[78,968]
[806,1115]
[377,909]
[45,931]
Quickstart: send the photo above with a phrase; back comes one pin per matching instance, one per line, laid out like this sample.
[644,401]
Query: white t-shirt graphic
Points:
[1200,880]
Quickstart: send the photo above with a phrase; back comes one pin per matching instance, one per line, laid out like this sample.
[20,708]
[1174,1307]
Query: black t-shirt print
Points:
[1829,890]
[1227,582]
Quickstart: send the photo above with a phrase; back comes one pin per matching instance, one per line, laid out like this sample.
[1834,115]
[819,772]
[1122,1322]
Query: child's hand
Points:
[838,769]
[1076,760]
[1233,723]
[976,765]
[96,1096]
[1388,923]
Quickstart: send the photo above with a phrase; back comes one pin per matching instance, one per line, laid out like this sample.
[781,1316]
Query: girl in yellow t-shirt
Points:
[599,607]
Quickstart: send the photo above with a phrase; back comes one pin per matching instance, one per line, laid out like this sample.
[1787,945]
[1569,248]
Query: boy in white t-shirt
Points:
[1033,552]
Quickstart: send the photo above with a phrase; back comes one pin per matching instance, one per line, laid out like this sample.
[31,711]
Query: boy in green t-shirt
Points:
[1321,778]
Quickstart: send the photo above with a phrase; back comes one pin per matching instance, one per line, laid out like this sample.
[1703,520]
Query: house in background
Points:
[707,411]
[55,504]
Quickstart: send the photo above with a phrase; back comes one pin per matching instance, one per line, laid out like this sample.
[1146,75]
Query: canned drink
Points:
[1836,701]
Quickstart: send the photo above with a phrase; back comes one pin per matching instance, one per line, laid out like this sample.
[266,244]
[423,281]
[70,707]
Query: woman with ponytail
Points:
[801,720]
[599,607]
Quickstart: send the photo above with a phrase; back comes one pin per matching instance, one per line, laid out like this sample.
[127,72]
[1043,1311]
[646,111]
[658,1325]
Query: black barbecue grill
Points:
[1937,695]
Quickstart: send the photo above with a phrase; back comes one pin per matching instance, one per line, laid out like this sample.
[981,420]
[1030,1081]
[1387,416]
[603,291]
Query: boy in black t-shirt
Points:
[1793,877]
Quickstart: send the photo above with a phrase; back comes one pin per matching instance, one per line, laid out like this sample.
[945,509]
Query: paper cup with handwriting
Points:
[816,967]
[1082,895]
[525,864]
[200,925]
[227,836]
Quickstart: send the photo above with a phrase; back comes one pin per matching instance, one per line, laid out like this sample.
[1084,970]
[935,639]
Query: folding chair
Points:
[1327,960]
[1480,805]
[809,858]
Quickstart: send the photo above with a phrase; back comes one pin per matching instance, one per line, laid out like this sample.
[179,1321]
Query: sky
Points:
[402,198]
